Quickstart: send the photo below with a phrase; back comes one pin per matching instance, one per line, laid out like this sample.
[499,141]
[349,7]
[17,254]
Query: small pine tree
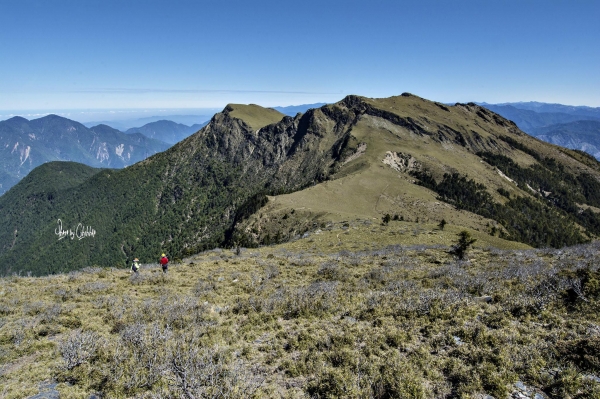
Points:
[442,224]
[464,242]
[386,219]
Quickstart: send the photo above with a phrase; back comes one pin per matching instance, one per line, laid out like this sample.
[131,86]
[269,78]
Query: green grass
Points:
[368,188]
[255,115]
[375,189]
[344,312]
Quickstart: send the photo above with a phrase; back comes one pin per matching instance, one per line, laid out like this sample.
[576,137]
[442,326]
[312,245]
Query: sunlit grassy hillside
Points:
[254,115]
[345,312]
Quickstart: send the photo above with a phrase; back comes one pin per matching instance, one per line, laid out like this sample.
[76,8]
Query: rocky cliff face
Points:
[283,156]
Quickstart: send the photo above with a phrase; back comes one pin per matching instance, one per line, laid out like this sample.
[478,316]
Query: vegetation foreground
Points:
[335,314]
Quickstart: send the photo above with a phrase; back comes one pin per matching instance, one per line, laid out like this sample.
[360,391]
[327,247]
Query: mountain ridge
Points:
[540,107]
[166,130]
[403,152]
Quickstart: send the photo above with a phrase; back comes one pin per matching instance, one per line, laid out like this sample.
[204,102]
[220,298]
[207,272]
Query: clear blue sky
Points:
[88,54]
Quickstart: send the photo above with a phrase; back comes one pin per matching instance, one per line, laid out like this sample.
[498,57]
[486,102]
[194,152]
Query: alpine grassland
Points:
[366,308]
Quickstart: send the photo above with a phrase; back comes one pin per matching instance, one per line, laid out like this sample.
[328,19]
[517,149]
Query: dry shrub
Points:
[209,372]
[79,347]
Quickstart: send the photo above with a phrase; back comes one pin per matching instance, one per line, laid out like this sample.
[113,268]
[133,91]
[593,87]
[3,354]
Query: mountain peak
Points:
[53,117]
[254,115]
[102,126]
[17,119]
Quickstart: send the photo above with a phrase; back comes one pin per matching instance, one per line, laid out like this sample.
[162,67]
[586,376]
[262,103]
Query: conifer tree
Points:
[464,242]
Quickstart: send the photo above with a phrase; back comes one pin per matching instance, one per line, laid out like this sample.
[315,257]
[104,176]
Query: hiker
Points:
[164,262]
[135,266]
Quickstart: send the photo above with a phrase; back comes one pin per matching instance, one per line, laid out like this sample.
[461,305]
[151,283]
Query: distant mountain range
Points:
[583,135]
[125,124]
[579,110]
[167,131]
[292,110]
[573,127]
[27,144]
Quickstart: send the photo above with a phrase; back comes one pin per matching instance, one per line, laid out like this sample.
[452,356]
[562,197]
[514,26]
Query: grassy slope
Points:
[407,314]
[255,115]
[376,189]
[367,188]
[371,194]
[55,176]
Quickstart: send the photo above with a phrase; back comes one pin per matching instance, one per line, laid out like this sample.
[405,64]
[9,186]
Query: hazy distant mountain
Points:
[292,110]
[528,120]
[183,119]
[167,131]
[580,135]
[125,124]
[114,124]
[569,126]
[581,111]
[27,144]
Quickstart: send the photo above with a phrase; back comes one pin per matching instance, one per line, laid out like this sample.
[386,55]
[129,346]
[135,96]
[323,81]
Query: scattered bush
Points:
[200,372]
[442,224]
[330,271]
[79,347]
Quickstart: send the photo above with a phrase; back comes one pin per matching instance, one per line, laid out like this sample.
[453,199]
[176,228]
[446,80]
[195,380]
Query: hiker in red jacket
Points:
[164,262]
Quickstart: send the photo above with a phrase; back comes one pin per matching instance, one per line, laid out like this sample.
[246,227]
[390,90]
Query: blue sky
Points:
[88,54]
